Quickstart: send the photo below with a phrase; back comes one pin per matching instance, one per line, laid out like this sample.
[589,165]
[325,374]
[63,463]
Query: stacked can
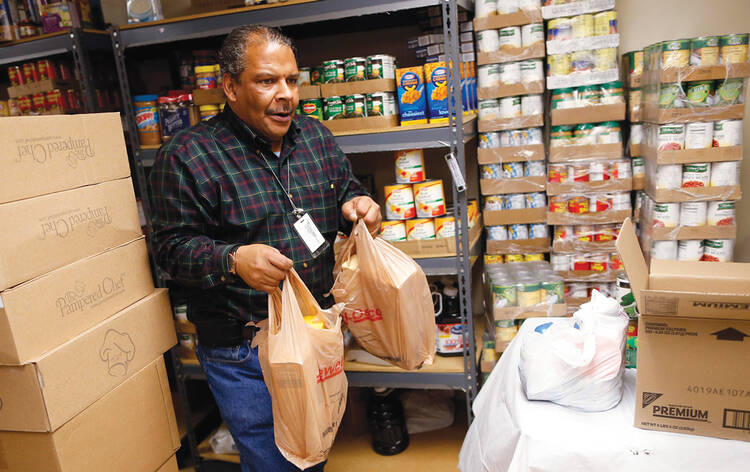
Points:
[633,67]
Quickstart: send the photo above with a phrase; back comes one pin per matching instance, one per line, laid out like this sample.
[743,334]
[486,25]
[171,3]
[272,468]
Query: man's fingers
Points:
[271,274]
[280,261]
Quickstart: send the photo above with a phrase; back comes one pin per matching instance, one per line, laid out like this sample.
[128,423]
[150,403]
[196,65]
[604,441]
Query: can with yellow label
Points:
[429,199]
[399,202]
[393,231]
[734,48]
[409,166]
[445,227]
[420,229]
[675,53]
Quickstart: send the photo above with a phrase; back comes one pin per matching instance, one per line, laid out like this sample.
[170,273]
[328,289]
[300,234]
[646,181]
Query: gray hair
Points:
[233,52]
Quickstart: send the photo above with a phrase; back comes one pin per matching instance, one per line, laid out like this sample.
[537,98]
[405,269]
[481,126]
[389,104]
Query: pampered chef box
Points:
[132,427]
[39,315]
[693,346]
[46,154]
[43,233]
[41,396]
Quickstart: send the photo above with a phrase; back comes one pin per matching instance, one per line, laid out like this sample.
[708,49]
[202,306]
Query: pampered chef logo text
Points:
[62,224]
[79,298]
[42,150]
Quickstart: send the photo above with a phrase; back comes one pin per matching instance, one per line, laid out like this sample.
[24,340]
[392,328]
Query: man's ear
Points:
[230,85]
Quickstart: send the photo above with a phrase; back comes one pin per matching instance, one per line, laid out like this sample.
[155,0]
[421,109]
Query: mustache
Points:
[283,109]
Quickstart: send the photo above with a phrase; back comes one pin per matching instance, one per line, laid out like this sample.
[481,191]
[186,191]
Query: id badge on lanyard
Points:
[308,231]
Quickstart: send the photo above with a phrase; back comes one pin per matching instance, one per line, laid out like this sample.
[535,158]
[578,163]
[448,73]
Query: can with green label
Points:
[589,95]
[312,107]
[505,330]
[333,71]
[381,104]
[354,106]
[553,289]
[704,51]
[333,108]
[529,291]
[733,48]
[671,96]
[675,53]
[355,69]
[700,93]
[730,91]
[505,293]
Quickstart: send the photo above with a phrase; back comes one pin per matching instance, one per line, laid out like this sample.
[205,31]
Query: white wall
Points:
[643,22]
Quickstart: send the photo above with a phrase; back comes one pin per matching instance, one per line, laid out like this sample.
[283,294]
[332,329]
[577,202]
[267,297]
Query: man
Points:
[226,195]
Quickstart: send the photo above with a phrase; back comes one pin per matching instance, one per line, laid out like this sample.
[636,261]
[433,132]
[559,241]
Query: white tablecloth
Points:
[511,433]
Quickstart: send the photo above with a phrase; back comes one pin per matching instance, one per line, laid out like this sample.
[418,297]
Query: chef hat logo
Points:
[117,351]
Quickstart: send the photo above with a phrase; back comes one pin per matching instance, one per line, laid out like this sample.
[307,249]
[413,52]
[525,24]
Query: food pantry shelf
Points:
[294,12]
[390,139]
[46,45]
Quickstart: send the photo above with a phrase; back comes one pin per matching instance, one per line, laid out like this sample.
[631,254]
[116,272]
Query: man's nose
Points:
[284,91]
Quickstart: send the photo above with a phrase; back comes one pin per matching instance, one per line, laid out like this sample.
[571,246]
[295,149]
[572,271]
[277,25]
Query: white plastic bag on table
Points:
[577,362]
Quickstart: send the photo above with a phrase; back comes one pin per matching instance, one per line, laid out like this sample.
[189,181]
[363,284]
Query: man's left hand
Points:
[363,208]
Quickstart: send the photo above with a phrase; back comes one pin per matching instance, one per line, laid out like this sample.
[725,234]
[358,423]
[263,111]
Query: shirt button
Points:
[304,264]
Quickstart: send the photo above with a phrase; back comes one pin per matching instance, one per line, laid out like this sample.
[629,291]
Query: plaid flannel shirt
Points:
[211,192]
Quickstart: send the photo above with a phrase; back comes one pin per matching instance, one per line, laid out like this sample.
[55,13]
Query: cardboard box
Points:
[212,96]
[611,185]
[519,122]
[583,246]
[132,427]
[412,104]
[689,156]
[639,182]
[40,86]
[592,151]
[536,311]
[532,152]
[43,233]
[588,275]
[519,246]
[588,43]
[39,315]
[500,91]
[576,8]
[692,194]
[436,85]
[511,54]
[580,79]
[519,18]
[598,218]
[514,217]
[307,92]
[654,114]
[46,154]
[371,124]
[444,247]
[358,87]
[40,396]
[170,465]
[517,185]
[694,73]
[694,232]
[695,317]
[635,150]
[588,114]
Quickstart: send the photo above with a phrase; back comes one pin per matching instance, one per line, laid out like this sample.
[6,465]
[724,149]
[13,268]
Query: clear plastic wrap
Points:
[685,220]
[593,208]
[587,267]
[589,176]
[584,238]
[586,141]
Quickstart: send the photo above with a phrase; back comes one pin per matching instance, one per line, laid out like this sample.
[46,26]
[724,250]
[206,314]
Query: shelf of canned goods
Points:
[360,132]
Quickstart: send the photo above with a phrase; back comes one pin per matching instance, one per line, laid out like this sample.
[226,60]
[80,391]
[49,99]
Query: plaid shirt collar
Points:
[248,135]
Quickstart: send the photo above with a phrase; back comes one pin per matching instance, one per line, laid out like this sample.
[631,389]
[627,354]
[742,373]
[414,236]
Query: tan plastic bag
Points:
[303,367]
[389,308]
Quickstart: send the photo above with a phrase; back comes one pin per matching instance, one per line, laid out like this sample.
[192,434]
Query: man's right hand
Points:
[261,267]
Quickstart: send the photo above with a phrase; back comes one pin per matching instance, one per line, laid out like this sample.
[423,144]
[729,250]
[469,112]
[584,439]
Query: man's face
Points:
[266,95]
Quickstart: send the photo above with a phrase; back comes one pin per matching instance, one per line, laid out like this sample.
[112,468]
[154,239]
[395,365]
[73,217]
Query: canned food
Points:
[533,257]
[589,95]
[608,133]
[529,292]
[490,109]
[489,140]
[532,34]
[720,214]
[584,233]
[599,203]
[666,250]
[485,8]
[671,137]
[15,75]
[733,48]
[700,93]
[30,73]
[39,102]
[718,250]
[473,212]
[355,68]
[393,231]
[675,53]
[577,290]
[579,262]
[488,75]
[512,170]
[563,98]
[497,233]
[510,107]
[558,204]
[598,262]
[553,289]
[638,166]
[636,133]
[605,23]
[620,170]
[505,293]
[699,135]
[666,215]
[561,136]
[420,229]
[618,201]
[689,250]
[605,59]
[704,51]
[578,205]
[509,37]
[492,171]
[445,227]
[13,107]
[564,233]
[381,104]
[557,173]
[505,330]
[523,137]
[730,91]
[725,173]
[538,230]
[488,40]
[46,69]
[559,64]
[333,108]
[669,176]
[354,106]
[331,71]
[583,134]
[563,29]
[316,75]
[399,202]
[518,232]
[313,108]
[615,263]
[516,201]
[409,166]
[381,66]
[429,199]
[304,76]
[696,175]
[505,138]
[612,92]
[560,262]
[727,133]
[495,203]
[582,61]
[671,95]
[510,73]
[582,26]
[605,233]
[532,105]
[534,169]
[536,200]
[693,213]
[490,259]
[532,71]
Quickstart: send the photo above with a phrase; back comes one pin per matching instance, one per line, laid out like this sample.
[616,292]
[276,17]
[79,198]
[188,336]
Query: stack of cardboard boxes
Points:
[83,384]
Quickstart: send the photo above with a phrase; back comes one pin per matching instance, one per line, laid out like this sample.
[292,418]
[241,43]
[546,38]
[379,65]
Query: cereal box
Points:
[411,95]
[436,77]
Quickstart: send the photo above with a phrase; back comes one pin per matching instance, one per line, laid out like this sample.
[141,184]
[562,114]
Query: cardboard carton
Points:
[45,312]
[588,275]
[598,218]
[170,465]
[520,246]
[693,232]
[588,114]
[692,194]
[535,51]
[43,233]
[511,90]
[532,152]
[48,391]
[307,92]
[443,247]
[611,185]
[689,156]
[635,149]
[654,114]
[371,124]
[132,427]
[693,355]
[639,182]
[46,154]
[516,185]
[523,16]
[502,124]
[40,86]
[514,217]
[584,246]
[695,73]
[592,151]
[358,87]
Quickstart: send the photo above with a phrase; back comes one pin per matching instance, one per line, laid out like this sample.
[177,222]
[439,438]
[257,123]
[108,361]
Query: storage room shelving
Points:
[447,373]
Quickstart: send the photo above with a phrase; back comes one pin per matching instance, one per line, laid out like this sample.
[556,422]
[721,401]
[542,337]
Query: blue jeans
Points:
[236,381]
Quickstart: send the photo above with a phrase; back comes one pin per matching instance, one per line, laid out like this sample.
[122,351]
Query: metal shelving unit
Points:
[76,41]
[462,373]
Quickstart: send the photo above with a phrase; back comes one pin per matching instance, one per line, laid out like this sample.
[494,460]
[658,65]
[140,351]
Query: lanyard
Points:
[297,212]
